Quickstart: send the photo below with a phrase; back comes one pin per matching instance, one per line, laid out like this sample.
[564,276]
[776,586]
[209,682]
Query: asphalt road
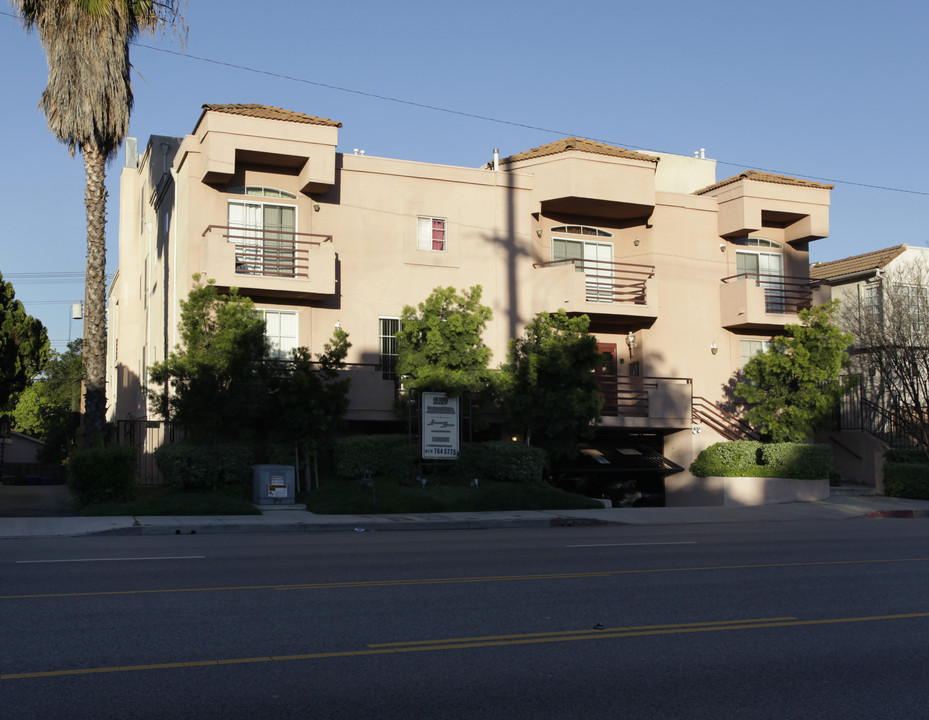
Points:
[775,620]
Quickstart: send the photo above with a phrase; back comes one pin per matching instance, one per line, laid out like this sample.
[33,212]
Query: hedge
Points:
[906,478]
[502,460]
[749,458]
[105,474]
[393,456]
[385,455]
[192,466]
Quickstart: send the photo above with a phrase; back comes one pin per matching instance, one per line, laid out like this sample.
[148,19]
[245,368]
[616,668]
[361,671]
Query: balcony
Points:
[276,263]
[763,301]
[646,402]
[597,288]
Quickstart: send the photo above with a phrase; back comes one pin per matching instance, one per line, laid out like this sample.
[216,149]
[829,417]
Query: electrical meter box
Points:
[273,484]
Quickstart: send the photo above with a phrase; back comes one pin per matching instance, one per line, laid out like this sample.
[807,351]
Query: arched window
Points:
[581,230]
[260,191]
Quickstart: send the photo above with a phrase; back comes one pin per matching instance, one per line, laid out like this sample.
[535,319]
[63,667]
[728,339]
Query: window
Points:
[388,327]
[767,269]
[430,234]
[265,235]
[913,309]
[281,331]
[595,259]
[873,303]
[749,348]
[757,242]
[581,230]
[259,191]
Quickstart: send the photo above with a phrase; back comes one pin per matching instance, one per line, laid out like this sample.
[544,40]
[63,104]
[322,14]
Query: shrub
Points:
[906,480]
[191,466]
[385,455]
[754,459]
[105,474]
[503,461]
[810,462]
[905,456]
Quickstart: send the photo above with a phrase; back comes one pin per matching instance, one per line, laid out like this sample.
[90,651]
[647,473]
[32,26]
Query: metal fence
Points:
[146,436]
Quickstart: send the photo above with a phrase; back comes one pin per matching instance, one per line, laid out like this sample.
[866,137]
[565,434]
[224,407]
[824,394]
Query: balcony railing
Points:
[271,253]
[610,282]
[782,294]
[656,398]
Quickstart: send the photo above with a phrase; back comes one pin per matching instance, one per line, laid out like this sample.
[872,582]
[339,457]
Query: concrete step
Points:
[853,490]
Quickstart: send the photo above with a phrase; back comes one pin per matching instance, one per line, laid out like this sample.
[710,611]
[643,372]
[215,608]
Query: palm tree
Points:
[87,103]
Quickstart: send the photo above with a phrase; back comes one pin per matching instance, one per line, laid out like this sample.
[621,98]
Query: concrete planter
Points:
[741,491]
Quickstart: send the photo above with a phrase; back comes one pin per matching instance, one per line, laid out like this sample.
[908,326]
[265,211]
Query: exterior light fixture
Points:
[538,232]
[636,242]
[315,207]
[631,343]
[338,325]
[714,348]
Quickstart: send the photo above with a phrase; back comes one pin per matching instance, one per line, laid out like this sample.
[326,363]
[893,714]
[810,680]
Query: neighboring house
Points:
[871,288]
[683,277]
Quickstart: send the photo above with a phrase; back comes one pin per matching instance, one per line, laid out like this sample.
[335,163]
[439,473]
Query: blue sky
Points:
[822,90]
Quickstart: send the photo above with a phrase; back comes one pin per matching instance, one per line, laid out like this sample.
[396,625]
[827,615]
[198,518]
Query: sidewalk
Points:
[296,519]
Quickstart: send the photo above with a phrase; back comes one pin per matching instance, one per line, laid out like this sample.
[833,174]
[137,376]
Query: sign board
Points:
[440,426]
[277,487]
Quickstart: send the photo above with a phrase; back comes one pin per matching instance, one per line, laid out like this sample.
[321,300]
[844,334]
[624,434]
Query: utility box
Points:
[273,484]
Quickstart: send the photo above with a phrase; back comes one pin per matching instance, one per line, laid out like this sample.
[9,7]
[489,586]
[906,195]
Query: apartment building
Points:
[683,277]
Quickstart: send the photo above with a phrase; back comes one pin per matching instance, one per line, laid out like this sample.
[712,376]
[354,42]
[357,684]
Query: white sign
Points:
[277,487]
[440,426]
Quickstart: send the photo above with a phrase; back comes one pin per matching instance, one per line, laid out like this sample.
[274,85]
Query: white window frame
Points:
[596,261]
[426,233]
[749,347]
[277,348]
[251,234]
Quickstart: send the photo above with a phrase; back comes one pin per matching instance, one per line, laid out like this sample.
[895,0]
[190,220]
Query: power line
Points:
[511,123]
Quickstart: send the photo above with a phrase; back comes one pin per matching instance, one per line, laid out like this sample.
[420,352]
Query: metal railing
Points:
[609,282]
[271,253]
[782,293]
[629,396]
[722,422]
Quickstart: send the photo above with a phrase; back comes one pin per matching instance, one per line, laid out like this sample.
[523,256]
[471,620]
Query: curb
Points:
[898,514]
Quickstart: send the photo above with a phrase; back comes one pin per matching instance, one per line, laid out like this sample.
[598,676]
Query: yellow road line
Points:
[489,641]
[480,579]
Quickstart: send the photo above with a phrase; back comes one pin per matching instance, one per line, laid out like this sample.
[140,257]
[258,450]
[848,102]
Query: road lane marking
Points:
[78,560]
[466,580]
[641,544]
[482,642]
[567,633]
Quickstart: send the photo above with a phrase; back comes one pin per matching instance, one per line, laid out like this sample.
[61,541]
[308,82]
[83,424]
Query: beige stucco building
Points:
[683,277]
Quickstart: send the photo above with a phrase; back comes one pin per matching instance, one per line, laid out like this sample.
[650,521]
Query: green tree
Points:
[793,387]
[87,103]
[49,408]
[547,385]
[440,347]
[212,384]
[24,345]
[311,397]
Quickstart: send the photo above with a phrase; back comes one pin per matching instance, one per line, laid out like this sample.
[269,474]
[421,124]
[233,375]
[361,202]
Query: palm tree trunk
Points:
[95,296]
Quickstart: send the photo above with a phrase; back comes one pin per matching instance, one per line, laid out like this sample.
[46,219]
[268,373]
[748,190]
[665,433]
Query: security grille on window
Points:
[387,332]
[430,234]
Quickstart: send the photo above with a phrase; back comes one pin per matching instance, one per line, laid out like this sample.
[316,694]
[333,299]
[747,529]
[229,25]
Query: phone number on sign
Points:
[435,452]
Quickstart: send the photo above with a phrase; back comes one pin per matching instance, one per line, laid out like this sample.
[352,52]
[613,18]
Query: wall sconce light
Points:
[338,325]
[631,343]
[538,232]
[315,207]
[636,242]
[714,348]
[722,247]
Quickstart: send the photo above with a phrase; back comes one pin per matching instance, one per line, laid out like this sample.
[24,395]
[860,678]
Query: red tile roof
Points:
[764,177]
[855,264]
[574,143]
[270,113]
